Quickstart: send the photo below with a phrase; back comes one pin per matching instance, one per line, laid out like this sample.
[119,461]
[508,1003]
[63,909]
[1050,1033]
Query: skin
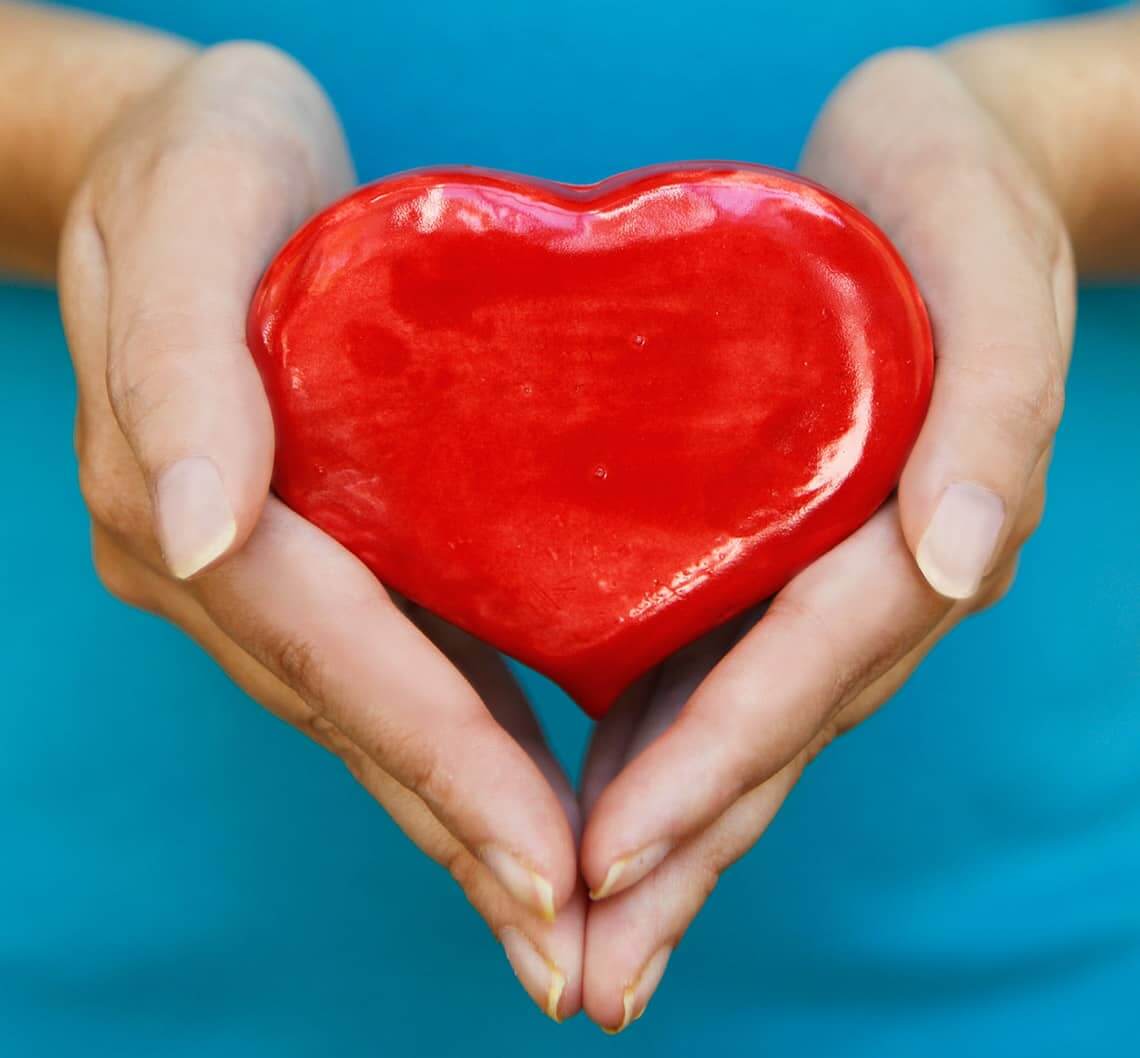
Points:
[154,182]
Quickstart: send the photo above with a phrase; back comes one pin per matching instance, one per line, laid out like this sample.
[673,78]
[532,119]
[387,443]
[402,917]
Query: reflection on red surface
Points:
[588,423]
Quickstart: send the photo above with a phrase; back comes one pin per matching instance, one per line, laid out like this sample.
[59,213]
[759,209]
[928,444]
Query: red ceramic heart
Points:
[587,424]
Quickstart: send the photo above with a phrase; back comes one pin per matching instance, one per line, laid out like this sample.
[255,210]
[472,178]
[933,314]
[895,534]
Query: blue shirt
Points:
[182,874]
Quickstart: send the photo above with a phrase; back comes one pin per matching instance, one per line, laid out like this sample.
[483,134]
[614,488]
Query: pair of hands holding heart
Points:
[183,206]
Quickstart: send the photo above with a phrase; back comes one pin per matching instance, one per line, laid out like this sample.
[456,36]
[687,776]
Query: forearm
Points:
[1068,94]
[63,79]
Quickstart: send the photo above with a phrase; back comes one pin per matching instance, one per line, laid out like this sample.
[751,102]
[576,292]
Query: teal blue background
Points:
[180,874]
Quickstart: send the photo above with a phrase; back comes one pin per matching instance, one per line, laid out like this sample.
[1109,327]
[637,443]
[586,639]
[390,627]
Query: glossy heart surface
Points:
[589,423]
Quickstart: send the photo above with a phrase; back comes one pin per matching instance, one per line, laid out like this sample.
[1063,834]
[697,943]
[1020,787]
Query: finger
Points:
[547,957]
[609,744]
[835,628]
[998,389]
[184,390]
[880,690]
[991,257]
[110,481]
[680,676]
[491,679]
[672,685]
[316,618]
[187,227]
[133,579]
[630,937]
[621,734]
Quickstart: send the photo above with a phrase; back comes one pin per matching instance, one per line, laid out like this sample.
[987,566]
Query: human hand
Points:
[181,207]
[685,774]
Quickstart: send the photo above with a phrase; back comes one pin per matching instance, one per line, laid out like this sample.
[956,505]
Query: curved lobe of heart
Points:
[587,424]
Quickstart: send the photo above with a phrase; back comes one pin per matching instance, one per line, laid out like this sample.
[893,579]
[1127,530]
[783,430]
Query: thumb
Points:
[991,257]
[183,256]
[191,198]
[1000,302]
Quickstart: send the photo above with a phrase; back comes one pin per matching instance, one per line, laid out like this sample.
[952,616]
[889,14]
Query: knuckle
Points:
[1023,392]
[418,767]
[116,576]
[139,398]
[1040,406]
[110,501]
[150,369]
[464,868]
[298,661]
[844,671]
[99,495]
[327,735]
[1031,396]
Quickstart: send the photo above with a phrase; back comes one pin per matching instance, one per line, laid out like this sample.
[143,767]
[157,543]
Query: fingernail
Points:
[526,886]
[958,545]
[630,869]
[194,520]
[540,978]
[636,997]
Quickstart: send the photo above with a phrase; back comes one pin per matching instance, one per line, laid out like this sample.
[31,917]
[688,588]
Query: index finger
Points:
[319,620]
[830,632]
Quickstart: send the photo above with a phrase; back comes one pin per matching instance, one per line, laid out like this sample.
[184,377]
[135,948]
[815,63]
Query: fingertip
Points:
[543,890]
[548,959]
[631,868]
[625,963]
[637,994]
[959,543]
[541,978]
[675,787]
[194,519]
[204,444]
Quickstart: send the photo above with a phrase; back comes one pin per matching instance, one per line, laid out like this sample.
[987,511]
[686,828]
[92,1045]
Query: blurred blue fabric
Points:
[180,874]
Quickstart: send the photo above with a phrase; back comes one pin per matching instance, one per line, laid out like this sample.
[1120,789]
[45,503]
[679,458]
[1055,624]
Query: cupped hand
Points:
[687,772]
[183,204]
